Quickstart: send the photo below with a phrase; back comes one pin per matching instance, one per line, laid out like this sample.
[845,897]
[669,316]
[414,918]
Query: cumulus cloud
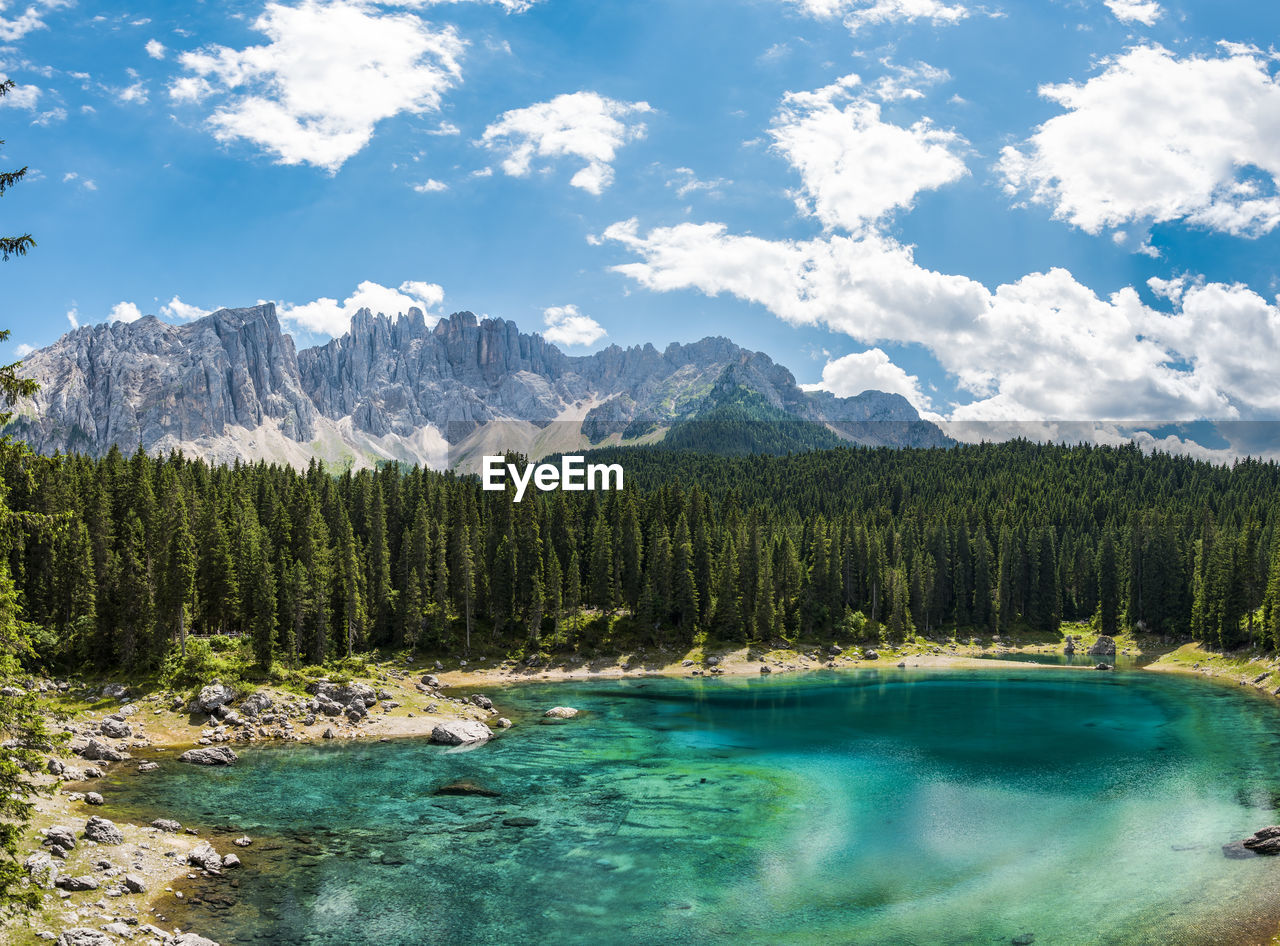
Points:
[330,72]
[330,317]
[566,325]
[124,312]
[24,349]
[73,317]
[181,311]
[581,125]
[155,49]
[870,370]
[1135,11]
[859,13]
[1044,347]
[20,96]
[430,186]
[856,167]
[14,25]
[510,6]
[1157,138]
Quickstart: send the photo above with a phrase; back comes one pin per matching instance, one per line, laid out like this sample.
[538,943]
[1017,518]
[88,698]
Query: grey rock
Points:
[328,733]
[103,831]
[242,841]
[503,722]
[98,751]
[356,712]
[210,755]
[255,704]
[165,386]
[214,696]
[76,884]
[1266,841]
[134,884]
[870,654]
[114,728]
[167,824]
[458,732]
[148,766]
[80,936]
[560,712]
[482,701]
[205,857]
[55,767]
[431,680]
[115,691]
[764,668]
[93,798]
[1104,646]
[190,939]
[62,836]
[230,861]
[42,870]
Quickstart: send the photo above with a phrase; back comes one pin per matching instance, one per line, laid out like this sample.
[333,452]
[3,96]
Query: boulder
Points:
[41,869]
[205,857]
[255,704]
[98,751]
[213,696]
[212,755]
[148,766]
[870,654]
[356,711]
[482,701]
[167,824]
[55,768]
[560,712]
[764,668]
[230,861]
[1236,851]
[103,831]
[114,727]
[459,732]
[503,722]
[63,837]
[83,937]
[466,787]
[1103,666]
[134,884]
[328,733]
[191,939]
[1104,646]
[115,690]
[431,681]
[712,661]
[242,841]
[76,884]
[93,798]
[1265,841]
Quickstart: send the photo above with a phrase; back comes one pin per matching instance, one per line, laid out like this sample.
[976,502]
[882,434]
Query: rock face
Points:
[1104,646]
[211,755]
[230,385]
[459,732]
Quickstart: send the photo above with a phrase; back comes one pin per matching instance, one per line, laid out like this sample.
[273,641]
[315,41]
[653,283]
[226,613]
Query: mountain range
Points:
[233,386]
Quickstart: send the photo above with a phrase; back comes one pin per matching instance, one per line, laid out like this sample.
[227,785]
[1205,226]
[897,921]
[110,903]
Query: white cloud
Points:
[73,317]
[859,13]
[430,186]
[181,311]
[511,6]
[686,182]
[53,115]
[906,82]
[136,93]
[20,96]
[124,312]
[582,125]
[331,317]
[329,74]
[13,28]
[855,167]
[568,326]
[445,130]
[155,49]
[1155,138]
[870,370]
[1135,11]
[24,349]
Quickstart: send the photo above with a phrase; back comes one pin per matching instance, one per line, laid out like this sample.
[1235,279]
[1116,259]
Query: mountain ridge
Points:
[232,385]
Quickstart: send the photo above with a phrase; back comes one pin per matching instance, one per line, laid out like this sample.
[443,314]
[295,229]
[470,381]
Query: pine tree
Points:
[554,585]
[440,587]
[573,591]
[602,565]
[259,592]
[1005,581]
[684,591]
[728,613]
[1108,587]
[630,549]
[177,588]
[983,606]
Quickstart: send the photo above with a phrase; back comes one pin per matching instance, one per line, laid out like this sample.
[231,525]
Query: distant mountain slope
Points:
[231,385]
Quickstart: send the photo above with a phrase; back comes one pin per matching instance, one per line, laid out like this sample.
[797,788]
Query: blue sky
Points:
[1043,211]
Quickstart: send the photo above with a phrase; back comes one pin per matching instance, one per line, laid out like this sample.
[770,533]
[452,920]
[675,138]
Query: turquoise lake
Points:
[866,807]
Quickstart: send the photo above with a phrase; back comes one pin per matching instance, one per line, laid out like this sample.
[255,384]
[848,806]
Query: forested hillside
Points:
[129,554]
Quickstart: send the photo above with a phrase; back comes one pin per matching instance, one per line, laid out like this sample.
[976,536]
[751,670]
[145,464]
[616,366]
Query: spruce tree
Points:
[1108,587]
